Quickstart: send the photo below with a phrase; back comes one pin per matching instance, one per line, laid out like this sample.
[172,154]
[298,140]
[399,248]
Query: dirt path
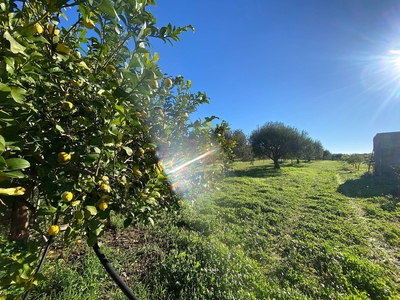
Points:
[376,244]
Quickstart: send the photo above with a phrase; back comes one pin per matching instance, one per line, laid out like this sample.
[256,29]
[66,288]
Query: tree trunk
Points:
[276,164]
[19,220]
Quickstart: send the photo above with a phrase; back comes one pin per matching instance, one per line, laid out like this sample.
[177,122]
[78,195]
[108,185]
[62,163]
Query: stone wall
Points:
[386,152]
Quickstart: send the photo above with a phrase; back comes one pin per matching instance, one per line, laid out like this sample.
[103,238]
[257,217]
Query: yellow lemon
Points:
[105,187]
[77,83]
[52,29]
[88,24]
[153,84]
[63,157]
[167,82]
[39,28]
[67,105]
[110,70]
[67,197]
[54,230]
[103,206]
[62,48]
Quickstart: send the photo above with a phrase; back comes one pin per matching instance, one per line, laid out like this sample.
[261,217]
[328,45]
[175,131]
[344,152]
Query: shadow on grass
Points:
[259,172]
[370,186]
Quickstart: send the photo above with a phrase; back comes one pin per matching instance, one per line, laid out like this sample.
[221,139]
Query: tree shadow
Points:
[370,186]
[259,172]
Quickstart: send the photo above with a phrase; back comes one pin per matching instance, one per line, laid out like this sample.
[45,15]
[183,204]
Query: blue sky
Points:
[327,67]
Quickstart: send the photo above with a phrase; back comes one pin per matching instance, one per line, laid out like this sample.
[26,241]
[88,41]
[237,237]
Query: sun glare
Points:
[381,75]
[185,168]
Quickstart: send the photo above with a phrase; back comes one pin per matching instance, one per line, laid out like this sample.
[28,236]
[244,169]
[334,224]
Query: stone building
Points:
[386,152]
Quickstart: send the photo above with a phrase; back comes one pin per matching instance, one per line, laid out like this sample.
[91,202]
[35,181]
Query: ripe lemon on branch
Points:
[89,24]
[167,82]
[62,48]
[67,105]
[103,206]
[110,70]
[52,29]
[67,196]
[53,230]
[39,28]
[63,157]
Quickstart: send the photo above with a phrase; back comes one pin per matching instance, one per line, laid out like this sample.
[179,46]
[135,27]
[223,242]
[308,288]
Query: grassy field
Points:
[318,230]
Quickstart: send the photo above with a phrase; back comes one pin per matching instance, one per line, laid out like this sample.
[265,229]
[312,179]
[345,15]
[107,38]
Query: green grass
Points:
[318,230]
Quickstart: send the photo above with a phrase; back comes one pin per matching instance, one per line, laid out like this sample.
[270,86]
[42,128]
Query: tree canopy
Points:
[275,140]
[242,149]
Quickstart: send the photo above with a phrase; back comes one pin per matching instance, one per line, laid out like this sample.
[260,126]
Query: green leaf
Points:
[26,273]
[127,222]
[69,235]
[2,147]
[127,150]
[59,128]
[107,8]
[3,164]
[17,164]
[91,209]
[91,158]
[12,174]
[18,94]
[120,109]
[134,62]
[75,203]
[92,239]
[47,210]
[15,47]
[95,141]
[4,87]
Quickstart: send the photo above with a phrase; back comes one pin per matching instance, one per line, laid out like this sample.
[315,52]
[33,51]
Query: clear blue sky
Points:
[327,67]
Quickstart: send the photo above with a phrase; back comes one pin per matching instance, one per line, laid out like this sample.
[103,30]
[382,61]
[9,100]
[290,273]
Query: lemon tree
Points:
[84,110]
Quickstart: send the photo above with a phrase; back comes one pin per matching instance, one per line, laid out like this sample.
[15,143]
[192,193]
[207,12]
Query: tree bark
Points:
[276,164]
[19,220]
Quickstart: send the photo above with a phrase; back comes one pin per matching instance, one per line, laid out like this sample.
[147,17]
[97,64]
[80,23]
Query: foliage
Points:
[84,110]
[242,150]
[356,159]
[275,140]
[327,155]
[312,150]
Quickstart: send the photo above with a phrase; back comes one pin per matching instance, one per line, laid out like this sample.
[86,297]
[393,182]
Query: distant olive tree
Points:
[275,140]
[355,160]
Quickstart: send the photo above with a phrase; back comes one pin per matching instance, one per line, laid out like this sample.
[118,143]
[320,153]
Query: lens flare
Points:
[187,169]
[382,74]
